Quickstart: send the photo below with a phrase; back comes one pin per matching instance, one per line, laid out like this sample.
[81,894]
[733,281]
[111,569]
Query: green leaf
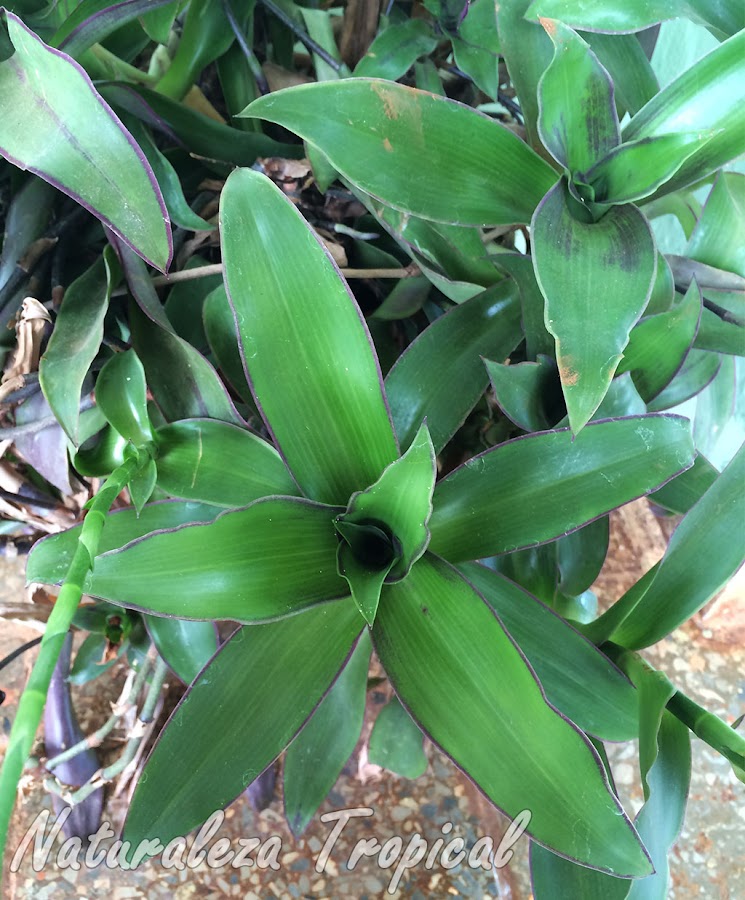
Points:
[50,557]
[659,344]
[215,462]
[711,94]
[580,556]
[183,383]
[396,742]
[527,51]
[121,395]
[446,254]
[205,34]
[686,489]
[704,552]
[719,236]
[103,452]
[239,714]
[525,392]
[142,484]
[89,664]
[54,123]
[537,338]
[222,334]
[186,646]
[93,20]
[536,488]
[661,818]
[393,142]
[718,333]
[75,341]
[577,678]
[577,118]
[157,23]
[699,369]
[173,193]
[438,641]
[396,49]
[315,758]
[634,80]
[184,305]
[634,15]
[364,575]
[555,878]
[401,499]
[200,134]
[296,316]
[665,768]
[476,47]
[576,265]
[421,386]
[636,169]
[227,569]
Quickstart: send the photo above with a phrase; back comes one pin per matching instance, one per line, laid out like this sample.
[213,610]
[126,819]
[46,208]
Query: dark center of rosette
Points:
[370,541]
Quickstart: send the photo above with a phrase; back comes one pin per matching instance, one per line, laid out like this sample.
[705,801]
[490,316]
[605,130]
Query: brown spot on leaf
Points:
[387,145]
[389,101]
[568,373]
[549,26]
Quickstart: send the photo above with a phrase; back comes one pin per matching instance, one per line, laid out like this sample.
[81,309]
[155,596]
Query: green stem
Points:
[707,726]
[103,65]
[31,704]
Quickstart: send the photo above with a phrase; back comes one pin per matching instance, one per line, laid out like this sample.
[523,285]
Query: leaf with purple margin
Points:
[121,395]
[50,557]
[555,878]
[686,489]
[421,386]
[296,315]
[396,742]
[200,134]
[437,638]
[183,383]
[699,369]
[706,549]
[634,170]
[75,341]
[401,499]
[524,390]
[186,646]
[269,679]
[596,278]
[227,569]
[577,678]
[222,334]
[718,239]
[93,20]
[315,758]
[54,123]
[536,488]
[711,94]
[216,462]
[577,118]
[392,141]
[659,344]
[527,52]
[634,15]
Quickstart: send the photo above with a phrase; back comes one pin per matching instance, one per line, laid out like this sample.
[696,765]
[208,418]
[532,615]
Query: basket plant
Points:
[423,469]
